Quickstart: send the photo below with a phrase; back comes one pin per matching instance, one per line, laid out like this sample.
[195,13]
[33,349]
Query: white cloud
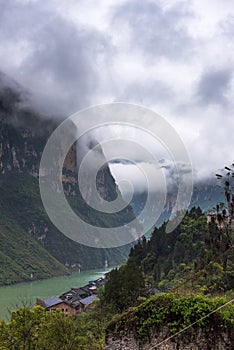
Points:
[174,57]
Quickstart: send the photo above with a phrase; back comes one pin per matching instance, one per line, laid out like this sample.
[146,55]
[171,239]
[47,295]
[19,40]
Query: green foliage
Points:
[20,252]
[176,312]
[21,256]
[38,329]
[22,211]
[20,200]
[92,326]
[183,259]
[125,286]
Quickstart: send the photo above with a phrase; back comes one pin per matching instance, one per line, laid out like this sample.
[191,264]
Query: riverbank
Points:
[14,296]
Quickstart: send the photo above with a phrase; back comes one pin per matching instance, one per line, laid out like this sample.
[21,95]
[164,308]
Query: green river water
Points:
[14,296]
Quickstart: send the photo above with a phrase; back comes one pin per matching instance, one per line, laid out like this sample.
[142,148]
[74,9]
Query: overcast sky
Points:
[175,57]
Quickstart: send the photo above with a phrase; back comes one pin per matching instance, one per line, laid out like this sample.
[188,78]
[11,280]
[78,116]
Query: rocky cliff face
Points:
[23,135]
[174,322]
[21,150]
[20,153]
[194,339]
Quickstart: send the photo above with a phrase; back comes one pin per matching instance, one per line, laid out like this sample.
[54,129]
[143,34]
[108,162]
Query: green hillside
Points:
[21,256]
[196,256]
[24,218]
[23,135]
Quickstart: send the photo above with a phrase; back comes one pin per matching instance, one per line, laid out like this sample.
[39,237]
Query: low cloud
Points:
[51,56]
[175,57]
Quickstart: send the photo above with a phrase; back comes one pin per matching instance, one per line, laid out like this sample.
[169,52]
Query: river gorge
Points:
[16,295]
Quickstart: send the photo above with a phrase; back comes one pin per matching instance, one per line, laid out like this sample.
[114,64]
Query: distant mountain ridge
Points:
[206,194]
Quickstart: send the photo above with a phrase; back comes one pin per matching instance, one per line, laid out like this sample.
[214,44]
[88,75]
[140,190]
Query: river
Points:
[16,295]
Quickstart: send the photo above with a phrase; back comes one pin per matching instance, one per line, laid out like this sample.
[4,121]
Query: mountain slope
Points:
[20,201]
[21,257]
[206,194]
[23,135]
[196,256]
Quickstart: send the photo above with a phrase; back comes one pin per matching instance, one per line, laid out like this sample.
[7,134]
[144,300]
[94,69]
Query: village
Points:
[77,299]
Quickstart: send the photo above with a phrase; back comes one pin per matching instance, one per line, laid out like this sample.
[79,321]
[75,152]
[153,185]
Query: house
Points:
[100,282]
[76,300]
[55,303]
[87,303]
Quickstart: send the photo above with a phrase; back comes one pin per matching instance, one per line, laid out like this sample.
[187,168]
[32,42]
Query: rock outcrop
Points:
[174,323]
[23,136]
[193,339]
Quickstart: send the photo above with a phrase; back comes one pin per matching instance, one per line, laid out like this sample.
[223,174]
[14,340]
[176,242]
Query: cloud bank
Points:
[175,57]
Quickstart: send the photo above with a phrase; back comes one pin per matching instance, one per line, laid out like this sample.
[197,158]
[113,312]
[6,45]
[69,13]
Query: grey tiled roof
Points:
[52,301]
[88,300]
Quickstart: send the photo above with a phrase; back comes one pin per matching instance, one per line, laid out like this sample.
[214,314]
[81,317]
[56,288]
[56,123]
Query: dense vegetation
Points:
[23,135]
[21,257]
[187,258]
[21,211]
[188,263]
[193,262]
[38,329]
[176,312]
[125,287]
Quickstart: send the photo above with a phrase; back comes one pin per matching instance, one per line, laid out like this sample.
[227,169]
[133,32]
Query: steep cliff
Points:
[23,135]
[160,322]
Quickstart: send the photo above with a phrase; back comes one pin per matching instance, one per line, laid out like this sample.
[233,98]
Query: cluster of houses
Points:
[77,299]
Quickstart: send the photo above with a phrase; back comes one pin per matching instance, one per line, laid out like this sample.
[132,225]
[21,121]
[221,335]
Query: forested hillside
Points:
[23,135]
[188,256]
[191,272]
[196,313]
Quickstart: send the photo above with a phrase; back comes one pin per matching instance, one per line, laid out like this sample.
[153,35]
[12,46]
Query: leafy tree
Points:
[38,329]
[194,256]
[125,286]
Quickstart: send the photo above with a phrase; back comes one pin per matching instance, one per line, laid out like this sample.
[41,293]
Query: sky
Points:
[174,57]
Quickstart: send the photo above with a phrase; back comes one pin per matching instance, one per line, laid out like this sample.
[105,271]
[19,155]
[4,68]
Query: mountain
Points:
[21,257]
[24,222]
[206,194]
[181,303]
[197,255]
